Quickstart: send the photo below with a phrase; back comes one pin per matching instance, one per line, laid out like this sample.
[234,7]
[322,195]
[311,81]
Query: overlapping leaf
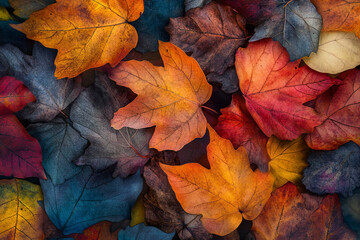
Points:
[23,8]
[276,89]
[340,106]
[212,43]
[37,73]
[84,200]
[99,231]
[189,4]
[289,214]
[142,232]
[351,210]
[83,36]
[21,217]
[169,98]
[224,194]
[336,171]
[91,114]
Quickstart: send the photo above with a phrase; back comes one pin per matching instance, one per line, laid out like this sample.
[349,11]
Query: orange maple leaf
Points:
[87,33]
[169,98]
[339,15]
[225,193]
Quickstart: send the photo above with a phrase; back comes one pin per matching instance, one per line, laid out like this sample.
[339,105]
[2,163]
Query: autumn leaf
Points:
[338,52]
[288,160]
[336,171]
[276,89]
[99,231]
[84,199]
[340,106]
[91,114]
[21,217]
[351,210]
[20,153]
[23,8]
[143,232]
[289,214]
[237,125]
[224,194]
[339,15]
[228,80]
[212,33]
[14,95]
[82,35]
[189,4]
[138,212]
[295,24]
[169,98]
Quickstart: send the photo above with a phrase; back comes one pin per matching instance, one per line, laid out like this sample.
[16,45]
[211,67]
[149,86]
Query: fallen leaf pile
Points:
[179,119]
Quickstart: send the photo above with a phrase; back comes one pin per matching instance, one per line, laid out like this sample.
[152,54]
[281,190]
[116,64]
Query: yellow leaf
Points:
[138,212]
[87,33]
[21,216]
[224,194]
[338,52]
[288,160]
[4,15]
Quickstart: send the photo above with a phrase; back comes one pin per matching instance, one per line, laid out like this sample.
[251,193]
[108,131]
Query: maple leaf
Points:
[84,199]
[91,114]
[169,98]
[224,194]
[339,15]
[336,171]
[20,153]
[288,214]
[162,210]
[228,80]
[37,73]
[340,106]
[13,94]
[61,144]
[276,89]
[338,52]
[237,125]
[82,35]
[21,217]
[295,24]
[212,33]
[288,160]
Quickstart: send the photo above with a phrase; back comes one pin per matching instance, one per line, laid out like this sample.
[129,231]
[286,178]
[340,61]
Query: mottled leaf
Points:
[91,114]
[23,8]
[189,4]
[99,231]
[89,198]
[37,73]
[60,145]
[142,232]
[212,33]
[336,171]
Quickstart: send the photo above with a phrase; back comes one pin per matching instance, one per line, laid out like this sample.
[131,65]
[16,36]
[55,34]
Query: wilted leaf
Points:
[99,231]
[23,8]
[14,96]
[21,217]
[340,106]
[351,210]
[237,125]
[212,33]
[169,98]
[338,52]
[276,89]
[83,36]
[224,194]
[142,232]
[60,145]
[189,4]
[20,153]
[288,160]
[339,15]
[91,114]
[162,210]
[37,73]
[291,215]
[89,198]
[336,171]
[151,25]
[295,24]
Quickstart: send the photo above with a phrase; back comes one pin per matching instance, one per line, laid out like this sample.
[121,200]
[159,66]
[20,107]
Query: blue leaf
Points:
[336,171]
[60,145]
[351,210]
[10,35]
[89,198]
[37,73]
[150,26]
[295,24]
[142,232]
[4,3]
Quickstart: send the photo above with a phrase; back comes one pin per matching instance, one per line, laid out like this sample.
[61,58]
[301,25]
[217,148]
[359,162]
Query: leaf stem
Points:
[210,109]
[139,154]
[287,3]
